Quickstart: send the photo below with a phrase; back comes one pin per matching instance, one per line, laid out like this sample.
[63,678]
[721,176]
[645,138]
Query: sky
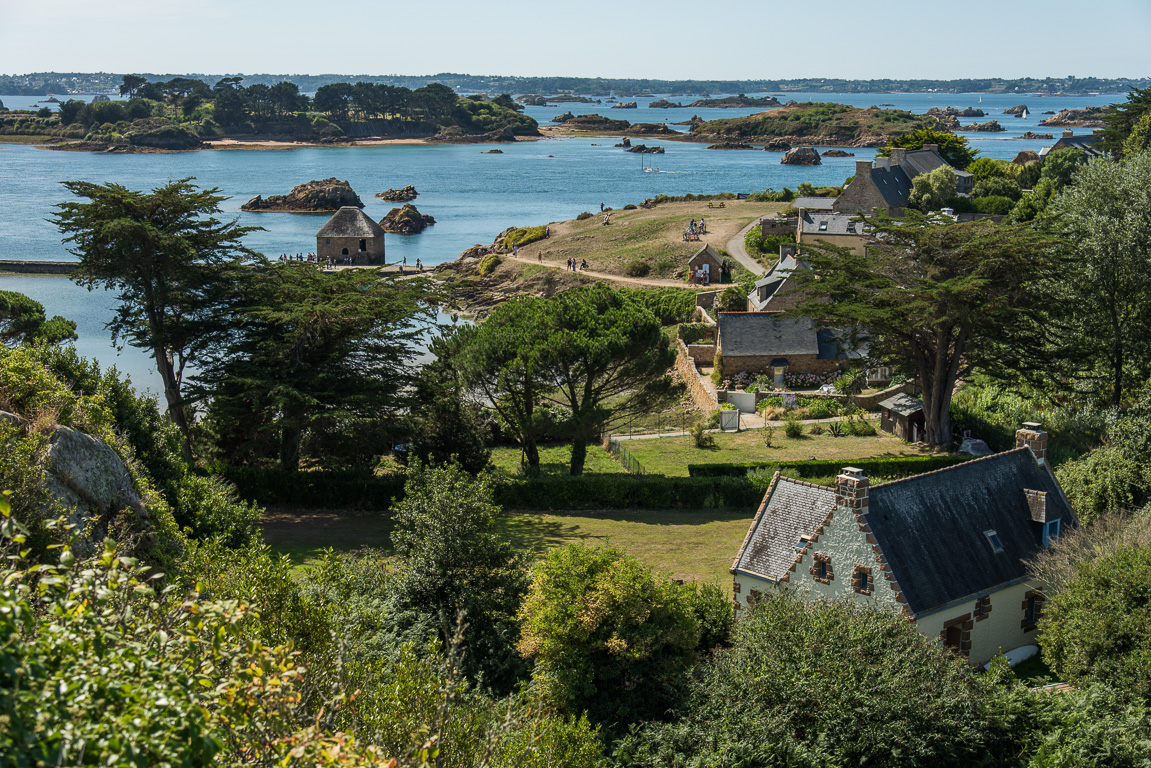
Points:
[672,39]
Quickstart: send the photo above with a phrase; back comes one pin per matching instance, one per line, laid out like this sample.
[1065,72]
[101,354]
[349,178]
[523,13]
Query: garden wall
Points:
[685,367]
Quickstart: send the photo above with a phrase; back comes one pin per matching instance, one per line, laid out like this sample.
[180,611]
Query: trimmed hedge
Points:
[904,466]
[356,489]
[628,492]
[361,490]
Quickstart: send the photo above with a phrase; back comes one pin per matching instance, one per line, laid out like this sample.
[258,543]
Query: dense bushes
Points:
[625,491]
[525,235]
[910,465]
[489,263]
[637,268]
[351,489]
[690,333]
[670,306]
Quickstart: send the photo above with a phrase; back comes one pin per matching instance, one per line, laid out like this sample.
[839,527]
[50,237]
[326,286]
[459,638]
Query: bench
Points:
[715,205]
[687,236]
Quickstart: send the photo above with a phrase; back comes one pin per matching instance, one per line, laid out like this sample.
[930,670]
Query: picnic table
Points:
[715,205]
[690,236]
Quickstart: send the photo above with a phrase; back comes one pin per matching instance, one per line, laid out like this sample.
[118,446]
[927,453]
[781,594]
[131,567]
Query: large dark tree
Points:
[1105,285]
[954,149]
[501,359]
[167,255]
[937,300]
[606,357]
[1121,121]
[22,321]
[309,346]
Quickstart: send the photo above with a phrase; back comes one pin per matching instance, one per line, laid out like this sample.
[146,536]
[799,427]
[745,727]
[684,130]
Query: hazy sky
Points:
[737,39]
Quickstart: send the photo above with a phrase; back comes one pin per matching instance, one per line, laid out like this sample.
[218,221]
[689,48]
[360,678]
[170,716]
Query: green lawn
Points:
[694,546]
[555,459]
[671,455]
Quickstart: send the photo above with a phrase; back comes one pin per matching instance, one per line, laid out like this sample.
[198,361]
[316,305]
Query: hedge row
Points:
[903,466]
[360,490]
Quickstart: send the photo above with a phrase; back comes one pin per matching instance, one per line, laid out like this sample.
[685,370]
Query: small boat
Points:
[643,164]
[1023,114]
[611,94]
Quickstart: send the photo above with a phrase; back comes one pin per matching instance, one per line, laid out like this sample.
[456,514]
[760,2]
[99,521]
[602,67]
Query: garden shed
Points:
[902,416]
[708,260]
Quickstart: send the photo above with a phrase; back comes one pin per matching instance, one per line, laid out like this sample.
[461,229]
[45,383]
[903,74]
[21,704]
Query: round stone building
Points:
[351,233]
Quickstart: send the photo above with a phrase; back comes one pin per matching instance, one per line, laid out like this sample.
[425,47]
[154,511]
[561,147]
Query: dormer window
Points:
[994,540]
[1050,532]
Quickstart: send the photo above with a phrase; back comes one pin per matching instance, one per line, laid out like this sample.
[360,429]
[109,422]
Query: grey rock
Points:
[801,156]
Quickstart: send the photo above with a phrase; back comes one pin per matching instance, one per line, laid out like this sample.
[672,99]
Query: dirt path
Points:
[739,252]
[654,282]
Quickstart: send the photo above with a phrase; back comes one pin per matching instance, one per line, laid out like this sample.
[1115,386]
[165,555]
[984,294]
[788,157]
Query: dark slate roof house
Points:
[947,548]
[1088,144]
[761,334]
[887,185]
[771,285]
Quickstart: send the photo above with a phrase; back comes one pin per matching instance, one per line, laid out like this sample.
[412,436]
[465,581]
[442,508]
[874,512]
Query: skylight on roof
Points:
[994,540]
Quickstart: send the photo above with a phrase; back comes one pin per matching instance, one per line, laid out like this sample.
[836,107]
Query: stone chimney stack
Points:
[882,162]
[1033,436]
[898,155]
[931,147]
[1068,133]
[862,168]
[851,491]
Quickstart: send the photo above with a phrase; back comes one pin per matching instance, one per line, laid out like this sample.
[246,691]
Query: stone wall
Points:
[870,402]
[761,363]
[706,299]
[702,353]
[685,367]
[334,247]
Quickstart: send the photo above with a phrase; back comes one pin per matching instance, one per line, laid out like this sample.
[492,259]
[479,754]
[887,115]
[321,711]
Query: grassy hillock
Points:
[815,123]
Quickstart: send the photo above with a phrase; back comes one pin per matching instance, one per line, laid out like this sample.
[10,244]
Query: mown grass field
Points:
[671,455]
[694,546]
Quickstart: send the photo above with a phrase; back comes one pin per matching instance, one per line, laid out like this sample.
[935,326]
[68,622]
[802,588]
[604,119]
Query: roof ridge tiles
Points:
[967,463]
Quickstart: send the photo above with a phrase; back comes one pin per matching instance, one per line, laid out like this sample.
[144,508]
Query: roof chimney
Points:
[1033,436]
[1068,133]
[851,491]
[932,148]
[862,168]
[898,155]
[1036,504]
[882,162]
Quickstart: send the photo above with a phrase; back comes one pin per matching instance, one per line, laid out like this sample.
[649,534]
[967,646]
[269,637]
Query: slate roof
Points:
[833,345]
[790,509]
[905,405]
[350,221]
[769,284]
[893,184]
[816,203]
[831,224]
[705,252]
[1088,144]
[765,334]
[931,527]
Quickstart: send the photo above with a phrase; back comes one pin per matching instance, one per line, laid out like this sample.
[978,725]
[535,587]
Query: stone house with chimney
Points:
[775,343]
[886,186]
[947,549]
[1089,144]
[351,233]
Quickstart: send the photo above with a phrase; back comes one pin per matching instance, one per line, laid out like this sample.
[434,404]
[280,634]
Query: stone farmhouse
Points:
[946,548]
[771,341]
[842,229]
[886,186]
[351,233]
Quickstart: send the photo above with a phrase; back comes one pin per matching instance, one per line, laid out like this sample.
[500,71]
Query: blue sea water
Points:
[472,195]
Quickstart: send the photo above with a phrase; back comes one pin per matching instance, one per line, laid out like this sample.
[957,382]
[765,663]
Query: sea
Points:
[472,194]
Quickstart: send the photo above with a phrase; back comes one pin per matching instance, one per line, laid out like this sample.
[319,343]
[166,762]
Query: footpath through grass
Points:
[694,546]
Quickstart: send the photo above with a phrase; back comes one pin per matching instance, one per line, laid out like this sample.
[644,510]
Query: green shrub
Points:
[792,426]
[489,263]
[630,207]
[637,268]
[860,427]
[819,408]
[690,333]
[768,436]
[815,429]
[524,236]
[583,216]
[717,372]
[700,437]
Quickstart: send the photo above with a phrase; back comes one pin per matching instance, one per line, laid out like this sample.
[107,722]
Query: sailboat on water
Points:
[611,94]
[1023,114]
[647,168]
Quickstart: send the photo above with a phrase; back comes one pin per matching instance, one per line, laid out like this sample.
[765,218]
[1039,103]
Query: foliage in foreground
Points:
[612,639]
[821,684]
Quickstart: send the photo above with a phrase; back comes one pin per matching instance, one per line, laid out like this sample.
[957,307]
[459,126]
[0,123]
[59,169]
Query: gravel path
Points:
[739,253]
